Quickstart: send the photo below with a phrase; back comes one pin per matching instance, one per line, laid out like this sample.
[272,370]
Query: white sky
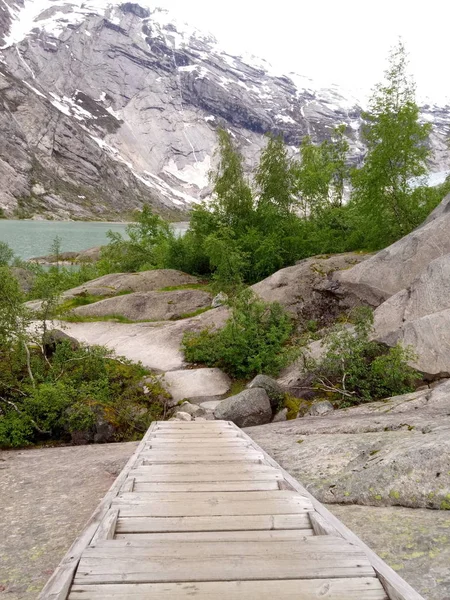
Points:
[333,41]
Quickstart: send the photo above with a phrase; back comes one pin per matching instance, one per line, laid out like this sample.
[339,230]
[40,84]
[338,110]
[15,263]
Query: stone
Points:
[428,338]
[192,409]
[389,453]
[119,283]
[427,294]
[149,306]
[219,300]
[210,404]
[320,408]
[156,345]
[295,376]
[247,409]
[280,416]
[181,416]
[419,316]
[54,337]
[194,383]
[300,288]
[25,277]
[395,268]
[273,389]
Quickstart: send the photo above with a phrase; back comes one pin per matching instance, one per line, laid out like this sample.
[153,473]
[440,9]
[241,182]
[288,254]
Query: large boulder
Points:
[273,389]
[247,409]
[395,268]
[149,306]
[300,289]
[146,281]
[196,384]
[394,452]
[419,316]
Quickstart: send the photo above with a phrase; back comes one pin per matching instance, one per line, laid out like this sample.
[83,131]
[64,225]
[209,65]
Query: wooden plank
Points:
[396,587]
[168,458]
[211,471]
[229,434]
[132,523]
[200,477]
[280,543]
[205,508]
[128,486]
[313,558]
[220,536]
[203,452]
[321,526]
[207,486]
[194,444]
[211,497]
[107,527]
[57,587]
[318,589]
[219,423]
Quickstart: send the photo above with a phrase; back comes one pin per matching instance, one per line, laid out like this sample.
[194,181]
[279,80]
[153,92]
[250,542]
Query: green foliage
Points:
[66,390]
[384,199]
[75,389]
[254,339]
[6,254]
[146,247]
[355,369]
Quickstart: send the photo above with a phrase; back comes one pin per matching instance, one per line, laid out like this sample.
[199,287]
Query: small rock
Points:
[181,416]
[319,409]
[280,416]
[272,388]
[192,409]
[54,337]
[210,404]
[219,300]
[249,408]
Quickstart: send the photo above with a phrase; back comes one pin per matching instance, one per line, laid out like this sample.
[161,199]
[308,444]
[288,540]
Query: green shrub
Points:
[355,369]
[254,339]
[72,391]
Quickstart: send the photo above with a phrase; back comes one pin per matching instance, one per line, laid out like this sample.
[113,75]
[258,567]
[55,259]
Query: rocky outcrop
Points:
[149,306]
[85,256]
[247,409]
[395,268]
[394,452]
[303,288]
[196,384]
[145,281]
[105,106]
[156,345]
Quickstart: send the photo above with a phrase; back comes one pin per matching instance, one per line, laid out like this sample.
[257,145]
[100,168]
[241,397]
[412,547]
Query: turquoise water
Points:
[34,238]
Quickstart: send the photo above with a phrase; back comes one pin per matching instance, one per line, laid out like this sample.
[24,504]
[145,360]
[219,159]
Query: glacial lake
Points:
[34,238]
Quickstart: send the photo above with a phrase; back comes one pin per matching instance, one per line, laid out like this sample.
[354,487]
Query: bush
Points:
[73,392]
[355,369]
[254,339]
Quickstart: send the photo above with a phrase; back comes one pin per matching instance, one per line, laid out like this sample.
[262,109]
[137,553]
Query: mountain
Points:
[105,105]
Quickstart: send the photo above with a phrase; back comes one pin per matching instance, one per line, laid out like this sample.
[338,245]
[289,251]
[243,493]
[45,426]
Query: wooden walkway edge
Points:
[201,511]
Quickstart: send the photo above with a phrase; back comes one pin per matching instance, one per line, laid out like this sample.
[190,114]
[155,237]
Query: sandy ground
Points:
[48,494]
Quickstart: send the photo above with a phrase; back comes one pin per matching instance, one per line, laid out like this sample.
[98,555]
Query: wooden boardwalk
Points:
[201,512]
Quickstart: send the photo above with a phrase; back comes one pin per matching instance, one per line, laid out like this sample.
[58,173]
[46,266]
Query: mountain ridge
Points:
[107,105]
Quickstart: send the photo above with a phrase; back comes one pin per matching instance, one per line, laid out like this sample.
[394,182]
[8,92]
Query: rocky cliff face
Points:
[105,105]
